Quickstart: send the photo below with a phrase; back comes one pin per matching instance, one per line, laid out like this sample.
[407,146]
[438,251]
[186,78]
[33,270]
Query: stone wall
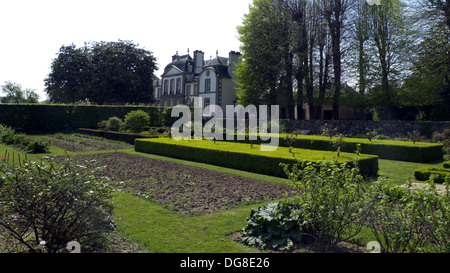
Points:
[358,127]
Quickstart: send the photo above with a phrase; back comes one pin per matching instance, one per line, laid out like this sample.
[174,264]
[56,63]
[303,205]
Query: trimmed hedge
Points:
[125,137]
[243,157]
[423,174]
[45,118]
[419,152]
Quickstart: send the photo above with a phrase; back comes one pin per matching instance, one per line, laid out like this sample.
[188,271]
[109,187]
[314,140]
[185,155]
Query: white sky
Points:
[32,31]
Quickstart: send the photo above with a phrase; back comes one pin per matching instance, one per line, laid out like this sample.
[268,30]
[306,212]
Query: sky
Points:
[32,32]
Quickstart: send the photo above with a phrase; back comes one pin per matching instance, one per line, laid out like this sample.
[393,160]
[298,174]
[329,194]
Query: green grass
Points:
[158,230]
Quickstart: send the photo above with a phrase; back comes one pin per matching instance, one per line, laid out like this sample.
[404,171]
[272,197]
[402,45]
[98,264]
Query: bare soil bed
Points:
[184,189]
[76,143]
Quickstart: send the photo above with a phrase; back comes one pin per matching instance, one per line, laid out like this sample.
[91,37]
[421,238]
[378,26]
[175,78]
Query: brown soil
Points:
[77,143]
[184,189]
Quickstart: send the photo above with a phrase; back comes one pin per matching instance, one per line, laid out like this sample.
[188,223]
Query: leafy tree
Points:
[102,72]
[71,74]
[15,94]
[265,73]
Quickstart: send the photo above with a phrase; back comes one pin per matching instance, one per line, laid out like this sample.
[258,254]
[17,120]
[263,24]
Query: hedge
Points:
[446,165]
[125,137]
[45,118]
[423,174]
[420,152]
[243,157]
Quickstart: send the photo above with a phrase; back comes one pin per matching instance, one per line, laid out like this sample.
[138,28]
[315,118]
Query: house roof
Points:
[181,62]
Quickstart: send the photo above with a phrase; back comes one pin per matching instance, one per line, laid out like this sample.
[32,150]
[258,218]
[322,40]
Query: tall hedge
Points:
[57,118]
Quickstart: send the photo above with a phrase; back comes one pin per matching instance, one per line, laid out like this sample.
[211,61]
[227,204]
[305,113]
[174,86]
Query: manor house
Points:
[185,78]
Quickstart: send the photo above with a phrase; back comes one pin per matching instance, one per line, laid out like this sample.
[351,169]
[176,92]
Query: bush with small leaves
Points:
[137,120]
[334,197]
[55,204]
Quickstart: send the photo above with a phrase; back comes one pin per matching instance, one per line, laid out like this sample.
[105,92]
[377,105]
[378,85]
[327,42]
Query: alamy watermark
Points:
[374,2]
[213,129]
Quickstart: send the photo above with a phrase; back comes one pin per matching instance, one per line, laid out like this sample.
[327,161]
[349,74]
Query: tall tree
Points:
[70,76]
[265,73]
[102,72]
[389,36]
[335,13]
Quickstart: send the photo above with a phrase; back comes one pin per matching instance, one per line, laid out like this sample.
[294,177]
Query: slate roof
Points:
[218,64]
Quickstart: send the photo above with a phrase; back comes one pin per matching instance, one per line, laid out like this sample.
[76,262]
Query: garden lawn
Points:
[159,230]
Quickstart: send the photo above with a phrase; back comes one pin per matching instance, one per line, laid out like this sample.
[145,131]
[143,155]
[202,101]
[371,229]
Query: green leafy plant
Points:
[114,124]
[137,120]
[339,143]
[271,227]
[407,220]
[371,134]
[329,130]
[334,197]
[55,204]
[38,146]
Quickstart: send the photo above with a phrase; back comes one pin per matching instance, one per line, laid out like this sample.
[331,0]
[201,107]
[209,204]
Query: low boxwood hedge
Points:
[244,157]
[125,137]
[419,152]
[423,174]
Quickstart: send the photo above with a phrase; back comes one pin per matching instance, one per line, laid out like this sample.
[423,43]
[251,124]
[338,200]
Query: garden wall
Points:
[358,127]
[41,118]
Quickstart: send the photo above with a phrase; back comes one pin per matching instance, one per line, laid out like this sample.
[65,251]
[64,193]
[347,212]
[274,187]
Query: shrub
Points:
[55,204]
[332,197]
[271,227]
[137,120]
[114,124]
[404,220]
[6,134]
[424,174]
[38,146]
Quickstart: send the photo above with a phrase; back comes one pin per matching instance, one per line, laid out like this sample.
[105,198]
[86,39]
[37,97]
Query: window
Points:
[188,90]
[196,89]
[178,86]
[208,85]
[207,103]
[166,87]
[172,86]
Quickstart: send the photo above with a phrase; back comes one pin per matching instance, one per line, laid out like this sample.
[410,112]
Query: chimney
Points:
[174,57]
[233,61]
[198,61]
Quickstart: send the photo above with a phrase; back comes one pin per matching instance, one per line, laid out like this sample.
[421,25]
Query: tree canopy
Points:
[15,93]
[103,73]
[395,54]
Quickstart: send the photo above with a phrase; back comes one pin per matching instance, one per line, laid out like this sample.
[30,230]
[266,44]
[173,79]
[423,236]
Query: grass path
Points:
[158,230]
